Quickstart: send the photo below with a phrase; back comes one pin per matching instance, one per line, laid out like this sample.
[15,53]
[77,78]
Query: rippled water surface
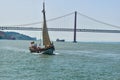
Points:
[73,61]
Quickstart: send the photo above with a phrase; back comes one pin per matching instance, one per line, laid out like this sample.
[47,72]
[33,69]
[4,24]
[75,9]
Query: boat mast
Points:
[44,16]
[46,39]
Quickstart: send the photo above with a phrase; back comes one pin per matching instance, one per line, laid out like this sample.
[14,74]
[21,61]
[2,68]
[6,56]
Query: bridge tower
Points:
[75,25]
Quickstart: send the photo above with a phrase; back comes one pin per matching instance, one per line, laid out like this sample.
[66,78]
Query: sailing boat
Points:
[48,45]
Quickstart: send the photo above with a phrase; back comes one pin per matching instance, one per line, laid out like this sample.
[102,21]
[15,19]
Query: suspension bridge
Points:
[73,25]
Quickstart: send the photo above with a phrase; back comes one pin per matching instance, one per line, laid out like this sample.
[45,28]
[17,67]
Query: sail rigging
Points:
[46,39]
[48,46]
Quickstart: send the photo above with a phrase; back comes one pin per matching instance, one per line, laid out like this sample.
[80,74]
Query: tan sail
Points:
[46,39]
[49,47]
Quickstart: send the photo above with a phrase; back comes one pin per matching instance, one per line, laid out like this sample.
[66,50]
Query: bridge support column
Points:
[75,25]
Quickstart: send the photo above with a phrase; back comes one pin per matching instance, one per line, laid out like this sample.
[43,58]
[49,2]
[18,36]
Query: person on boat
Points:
[47,46]
[32,43]
[39,48]
[51,46]
[35,45]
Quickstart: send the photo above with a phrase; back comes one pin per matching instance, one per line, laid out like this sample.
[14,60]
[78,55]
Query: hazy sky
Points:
[13,12]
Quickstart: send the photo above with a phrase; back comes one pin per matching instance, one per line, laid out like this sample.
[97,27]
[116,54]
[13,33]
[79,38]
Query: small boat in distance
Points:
[60,40]
[48,45]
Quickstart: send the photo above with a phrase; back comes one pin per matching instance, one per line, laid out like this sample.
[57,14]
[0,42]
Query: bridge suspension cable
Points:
[90,18]
[41,21]
[98,21]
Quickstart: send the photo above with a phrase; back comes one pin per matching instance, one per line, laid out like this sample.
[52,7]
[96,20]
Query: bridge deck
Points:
[60,29]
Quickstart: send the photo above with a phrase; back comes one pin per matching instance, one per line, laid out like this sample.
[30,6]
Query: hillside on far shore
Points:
[14,36]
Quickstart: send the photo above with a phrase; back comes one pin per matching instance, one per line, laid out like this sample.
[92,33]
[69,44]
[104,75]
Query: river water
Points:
[73,61]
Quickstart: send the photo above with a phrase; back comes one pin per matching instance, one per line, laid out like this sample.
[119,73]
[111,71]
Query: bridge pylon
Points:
[75,26]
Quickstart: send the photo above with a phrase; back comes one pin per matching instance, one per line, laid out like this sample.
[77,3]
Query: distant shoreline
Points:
[14,36]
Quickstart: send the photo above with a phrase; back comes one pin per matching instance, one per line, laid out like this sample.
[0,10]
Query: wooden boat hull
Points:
[48,51]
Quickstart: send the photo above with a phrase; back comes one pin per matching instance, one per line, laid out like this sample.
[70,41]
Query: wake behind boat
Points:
[48,45]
